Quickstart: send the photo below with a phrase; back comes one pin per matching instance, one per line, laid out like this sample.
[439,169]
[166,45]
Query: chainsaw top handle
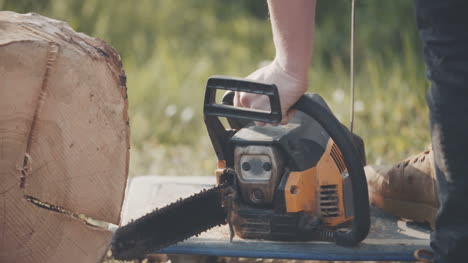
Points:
[211,108]
[361,224]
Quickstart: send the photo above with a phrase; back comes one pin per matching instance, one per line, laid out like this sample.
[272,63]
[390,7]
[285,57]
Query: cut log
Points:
[64,141]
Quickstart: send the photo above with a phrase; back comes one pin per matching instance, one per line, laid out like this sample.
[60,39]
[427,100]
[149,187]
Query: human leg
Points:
[443,30]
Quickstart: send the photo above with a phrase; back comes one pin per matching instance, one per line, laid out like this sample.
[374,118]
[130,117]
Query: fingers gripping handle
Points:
[211,108]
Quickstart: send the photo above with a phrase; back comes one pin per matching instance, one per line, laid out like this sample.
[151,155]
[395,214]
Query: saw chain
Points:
[173,223]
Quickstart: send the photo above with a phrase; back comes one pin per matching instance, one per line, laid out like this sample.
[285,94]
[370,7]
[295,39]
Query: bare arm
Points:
[292,23]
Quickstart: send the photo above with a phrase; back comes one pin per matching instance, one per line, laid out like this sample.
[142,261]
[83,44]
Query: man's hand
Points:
[290,87]
[293,33]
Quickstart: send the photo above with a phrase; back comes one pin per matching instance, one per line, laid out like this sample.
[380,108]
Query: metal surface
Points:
[390,239]
[258,170]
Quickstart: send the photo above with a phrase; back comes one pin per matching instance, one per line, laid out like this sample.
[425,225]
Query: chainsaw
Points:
[303,181]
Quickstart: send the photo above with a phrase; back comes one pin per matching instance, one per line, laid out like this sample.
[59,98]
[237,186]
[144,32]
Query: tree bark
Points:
[64,141]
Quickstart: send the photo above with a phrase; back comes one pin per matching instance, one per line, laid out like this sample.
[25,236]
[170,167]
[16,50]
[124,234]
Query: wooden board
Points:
[390,238]
[64,141]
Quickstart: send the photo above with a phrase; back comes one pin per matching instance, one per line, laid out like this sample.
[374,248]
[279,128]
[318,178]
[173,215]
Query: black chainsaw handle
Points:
[333,127]
[231,84]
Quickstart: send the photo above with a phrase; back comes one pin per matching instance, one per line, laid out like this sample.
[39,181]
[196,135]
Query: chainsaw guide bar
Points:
[171,224]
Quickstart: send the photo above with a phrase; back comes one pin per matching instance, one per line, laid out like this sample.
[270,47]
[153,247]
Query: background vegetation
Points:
[169,49]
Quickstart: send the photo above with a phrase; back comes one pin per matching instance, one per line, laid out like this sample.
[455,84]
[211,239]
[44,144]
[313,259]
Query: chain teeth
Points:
[168,225]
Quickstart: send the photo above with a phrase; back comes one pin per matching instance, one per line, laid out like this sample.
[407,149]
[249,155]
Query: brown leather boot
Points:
[407,189]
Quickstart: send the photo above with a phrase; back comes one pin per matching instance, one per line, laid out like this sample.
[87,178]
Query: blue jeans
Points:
[443,28]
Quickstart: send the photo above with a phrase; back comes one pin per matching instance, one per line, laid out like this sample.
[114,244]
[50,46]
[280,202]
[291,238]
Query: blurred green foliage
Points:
[169,48]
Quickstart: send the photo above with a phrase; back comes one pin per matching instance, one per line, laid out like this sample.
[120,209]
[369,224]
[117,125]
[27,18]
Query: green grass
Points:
[170,48]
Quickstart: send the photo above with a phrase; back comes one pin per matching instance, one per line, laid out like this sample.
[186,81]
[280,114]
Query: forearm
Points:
[293,33]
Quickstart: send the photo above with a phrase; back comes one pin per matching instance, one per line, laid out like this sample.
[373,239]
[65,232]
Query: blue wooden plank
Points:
[369,251]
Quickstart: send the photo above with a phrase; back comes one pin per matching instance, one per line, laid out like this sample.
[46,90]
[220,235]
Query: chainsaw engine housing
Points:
[300,181]
[289,176]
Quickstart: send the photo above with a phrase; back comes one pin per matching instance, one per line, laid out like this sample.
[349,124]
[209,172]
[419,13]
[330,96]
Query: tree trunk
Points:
[64,141]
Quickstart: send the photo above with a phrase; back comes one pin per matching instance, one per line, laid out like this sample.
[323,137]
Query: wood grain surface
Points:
[64,141]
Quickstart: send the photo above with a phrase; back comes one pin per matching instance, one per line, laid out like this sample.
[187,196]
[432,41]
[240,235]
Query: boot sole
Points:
[411,210]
